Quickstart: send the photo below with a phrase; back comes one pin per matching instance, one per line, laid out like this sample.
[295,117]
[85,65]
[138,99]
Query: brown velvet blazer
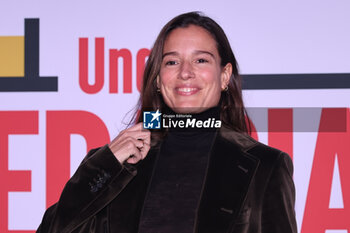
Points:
[248,188]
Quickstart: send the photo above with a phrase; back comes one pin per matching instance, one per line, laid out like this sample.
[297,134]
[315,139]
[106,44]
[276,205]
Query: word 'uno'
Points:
[114,55]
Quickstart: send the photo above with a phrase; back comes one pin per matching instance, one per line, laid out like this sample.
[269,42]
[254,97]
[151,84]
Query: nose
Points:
[186,71]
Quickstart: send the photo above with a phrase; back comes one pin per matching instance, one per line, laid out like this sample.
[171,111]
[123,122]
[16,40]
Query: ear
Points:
[226,75]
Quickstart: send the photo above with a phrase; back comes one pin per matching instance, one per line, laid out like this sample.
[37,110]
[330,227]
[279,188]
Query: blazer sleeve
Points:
[98,179]
[278,214]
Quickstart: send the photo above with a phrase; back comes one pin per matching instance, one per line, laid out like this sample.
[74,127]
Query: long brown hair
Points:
[232,109]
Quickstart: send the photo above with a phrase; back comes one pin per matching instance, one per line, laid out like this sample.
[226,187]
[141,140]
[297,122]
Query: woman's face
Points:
[191,78]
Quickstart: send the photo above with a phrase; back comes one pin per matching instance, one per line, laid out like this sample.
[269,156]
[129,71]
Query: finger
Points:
[144,150]
[146,144]
[141,149]
[147,137]
[133,143]
[123,149]
[135,157]
[138,134]
[142,135]
[134,140]
[137,127]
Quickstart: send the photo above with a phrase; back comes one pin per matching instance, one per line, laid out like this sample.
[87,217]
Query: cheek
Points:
[166,83]
[213,79]
[165,79]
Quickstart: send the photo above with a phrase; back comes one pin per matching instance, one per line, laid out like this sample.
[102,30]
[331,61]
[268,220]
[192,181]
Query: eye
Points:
[202,60]
[170,63]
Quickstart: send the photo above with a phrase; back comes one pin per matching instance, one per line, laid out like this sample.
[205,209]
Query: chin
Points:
[188,108]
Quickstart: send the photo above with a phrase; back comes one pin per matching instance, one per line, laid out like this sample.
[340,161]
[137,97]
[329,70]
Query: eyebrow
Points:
[196,52]
[169,53]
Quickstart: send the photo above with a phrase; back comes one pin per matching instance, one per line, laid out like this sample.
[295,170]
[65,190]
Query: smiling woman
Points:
[191,76]
[182,180]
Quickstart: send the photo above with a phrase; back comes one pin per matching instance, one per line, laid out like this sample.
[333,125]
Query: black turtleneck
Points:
[173,197]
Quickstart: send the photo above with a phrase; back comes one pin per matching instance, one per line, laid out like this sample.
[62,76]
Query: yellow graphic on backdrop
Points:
[11,56]
[19,62]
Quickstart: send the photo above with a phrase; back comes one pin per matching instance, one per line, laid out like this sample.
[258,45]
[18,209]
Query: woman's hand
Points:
[132,144]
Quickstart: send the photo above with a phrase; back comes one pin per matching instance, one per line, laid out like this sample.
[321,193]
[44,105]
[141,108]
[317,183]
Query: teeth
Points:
[187,89]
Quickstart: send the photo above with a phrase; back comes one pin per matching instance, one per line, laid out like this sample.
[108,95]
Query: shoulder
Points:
[266,155]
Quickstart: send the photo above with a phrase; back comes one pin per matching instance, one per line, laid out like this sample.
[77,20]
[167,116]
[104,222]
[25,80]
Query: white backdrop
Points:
[268,37]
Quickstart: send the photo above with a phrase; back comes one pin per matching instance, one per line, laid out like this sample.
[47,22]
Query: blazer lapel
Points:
[229,174]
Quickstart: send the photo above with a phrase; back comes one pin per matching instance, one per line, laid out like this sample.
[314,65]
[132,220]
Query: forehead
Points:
[189,37]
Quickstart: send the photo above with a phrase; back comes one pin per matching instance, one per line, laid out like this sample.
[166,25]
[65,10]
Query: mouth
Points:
[186,90]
